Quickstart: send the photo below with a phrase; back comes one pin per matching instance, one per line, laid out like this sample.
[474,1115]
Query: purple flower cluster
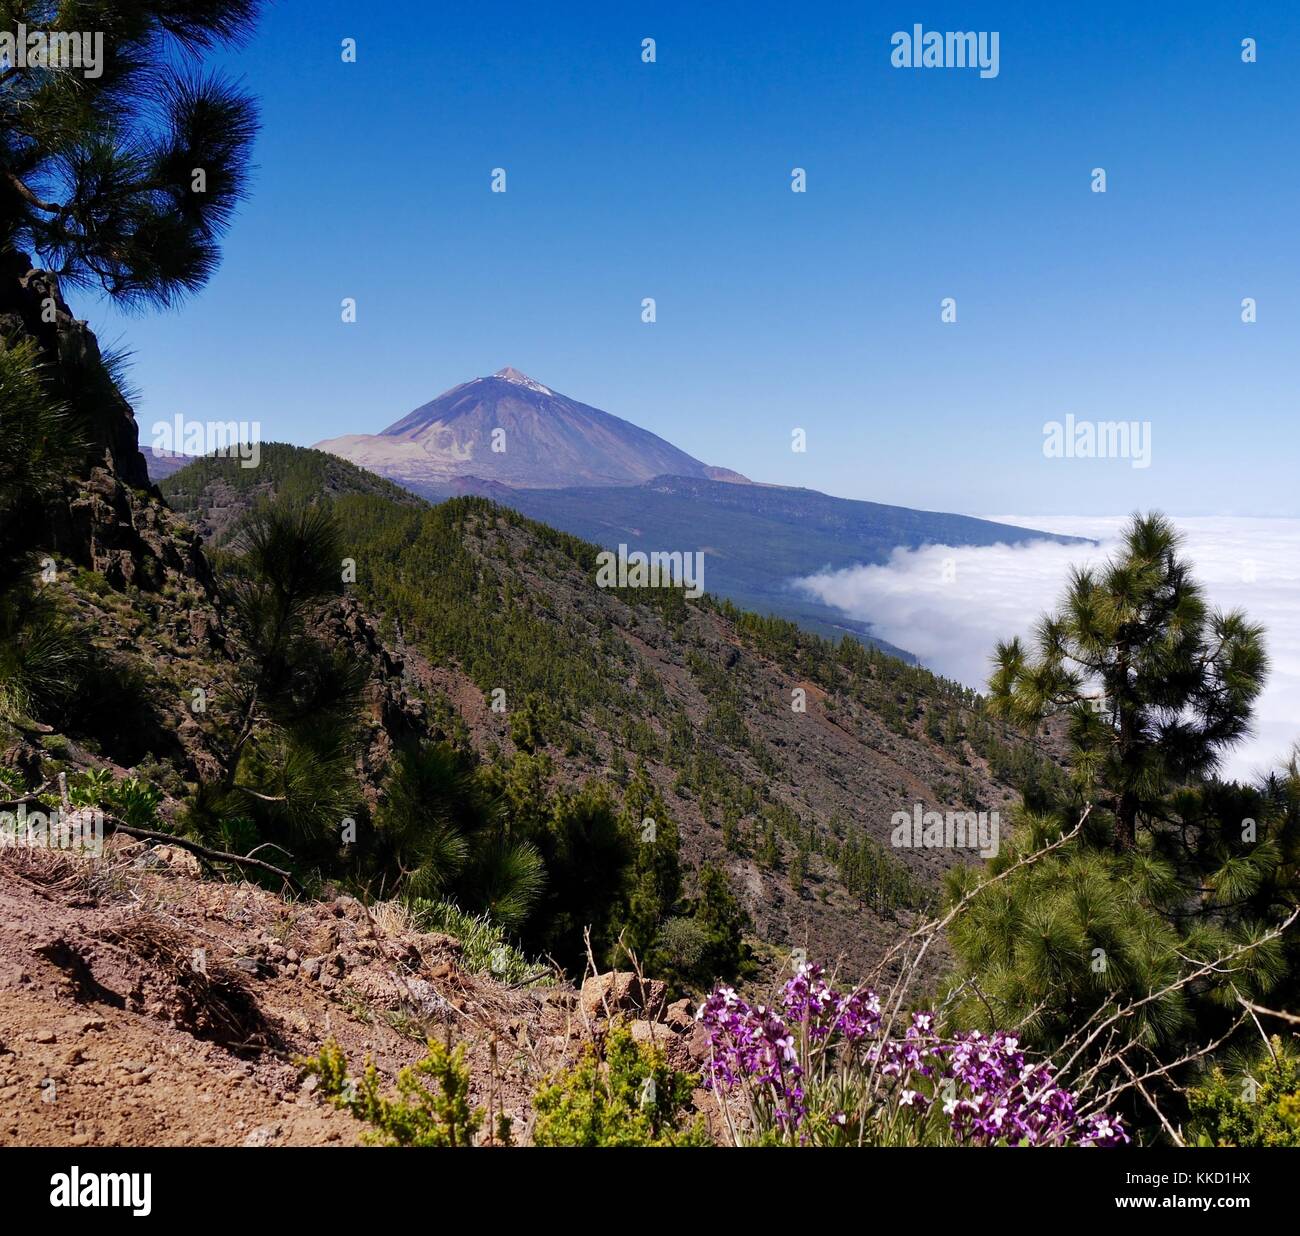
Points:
[985,1089]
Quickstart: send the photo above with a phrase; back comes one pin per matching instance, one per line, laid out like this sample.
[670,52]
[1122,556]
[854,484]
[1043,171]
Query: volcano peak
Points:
[510,374]
[510,429]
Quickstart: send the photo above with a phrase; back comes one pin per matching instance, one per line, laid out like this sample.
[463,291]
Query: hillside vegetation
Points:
[331,815]
[643,705]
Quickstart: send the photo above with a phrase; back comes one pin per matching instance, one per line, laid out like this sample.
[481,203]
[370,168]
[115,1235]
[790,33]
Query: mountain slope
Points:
[796,806]
[453,604]
[213,495]
[757,539]
[586,472]
[512,429]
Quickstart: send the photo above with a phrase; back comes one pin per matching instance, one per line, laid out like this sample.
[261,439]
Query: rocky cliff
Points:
[111,519]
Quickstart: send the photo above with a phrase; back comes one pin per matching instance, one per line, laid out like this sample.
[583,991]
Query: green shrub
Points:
[133,800]
[1258,1108]
[91,788]
[633,1098]
[136,801]
[416,1115]
[533,723]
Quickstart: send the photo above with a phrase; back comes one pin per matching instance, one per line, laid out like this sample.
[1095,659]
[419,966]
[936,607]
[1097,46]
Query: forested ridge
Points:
[512,605]
[318,797]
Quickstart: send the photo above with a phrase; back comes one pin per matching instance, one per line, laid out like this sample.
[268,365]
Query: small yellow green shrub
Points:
[632,1098]
[1260,1108]
[417,1115]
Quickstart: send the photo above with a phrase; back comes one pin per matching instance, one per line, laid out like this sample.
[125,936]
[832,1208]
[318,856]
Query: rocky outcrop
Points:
[32,305]
[112,520]
[620,992]
[394,716]
[129,537]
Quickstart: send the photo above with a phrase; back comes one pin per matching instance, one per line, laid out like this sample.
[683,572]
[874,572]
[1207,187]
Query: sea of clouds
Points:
[950,605]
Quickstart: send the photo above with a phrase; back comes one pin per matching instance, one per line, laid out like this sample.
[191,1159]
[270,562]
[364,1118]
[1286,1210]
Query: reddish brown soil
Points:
[107,1039]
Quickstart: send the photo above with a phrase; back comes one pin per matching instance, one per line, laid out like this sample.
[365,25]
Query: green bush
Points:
[632,1098]
[533,723]
[1258,1108]
[136,801]
[416,1115]
[91,788]
[132,800]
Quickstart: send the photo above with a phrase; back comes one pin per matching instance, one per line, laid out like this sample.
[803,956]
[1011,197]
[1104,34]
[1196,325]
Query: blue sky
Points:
[777,310]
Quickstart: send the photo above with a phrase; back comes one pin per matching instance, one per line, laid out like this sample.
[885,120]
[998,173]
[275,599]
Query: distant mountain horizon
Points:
[594,475]
[511,429]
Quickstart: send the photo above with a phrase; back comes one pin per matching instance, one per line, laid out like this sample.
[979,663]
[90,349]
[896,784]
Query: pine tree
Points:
[431,807]
[120,175]
[657,876]
[1155,686]
[1172,867]
[38,444]
[42,659]
[283,730]
[125,178]
[589,852]
[795,875]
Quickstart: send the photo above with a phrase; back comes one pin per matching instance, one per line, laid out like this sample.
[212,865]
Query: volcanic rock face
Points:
[31,304]
[108,518]
[511,429]
[112,520]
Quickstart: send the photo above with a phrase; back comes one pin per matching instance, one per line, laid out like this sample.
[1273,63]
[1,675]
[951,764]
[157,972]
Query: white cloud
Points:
[950,605]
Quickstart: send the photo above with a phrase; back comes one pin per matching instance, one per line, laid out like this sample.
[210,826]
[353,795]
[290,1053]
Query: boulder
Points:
[681,1015]
[621,991]
[650,1033]
[178,861]
[697,1043]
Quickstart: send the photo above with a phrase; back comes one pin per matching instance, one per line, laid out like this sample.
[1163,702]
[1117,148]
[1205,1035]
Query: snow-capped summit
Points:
[510,429]
[509,374]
